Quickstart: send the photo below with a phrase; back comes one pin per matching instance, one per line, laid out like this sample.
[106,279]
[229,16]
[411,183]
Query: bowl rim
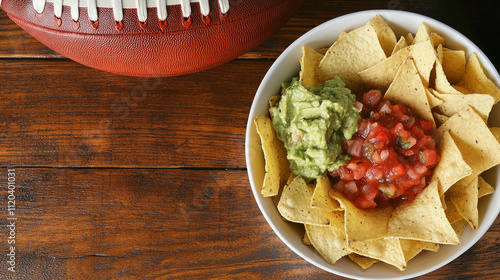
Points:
[459,39]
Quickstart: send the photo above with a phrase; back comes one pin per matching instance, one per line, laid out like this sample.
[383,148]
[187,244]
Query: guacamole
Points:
[312,122]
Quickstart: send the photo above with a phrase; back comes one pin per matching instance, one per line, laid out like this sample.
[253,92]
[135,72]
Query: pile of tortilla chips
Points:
[438,84]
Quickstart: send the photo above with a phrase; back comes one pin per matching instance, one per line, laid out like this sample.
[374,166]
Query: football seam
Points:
[155,33]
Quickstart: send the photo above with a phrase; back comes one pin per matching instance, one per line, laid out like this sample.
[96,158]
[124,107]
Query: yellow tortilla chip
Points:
[442,84]
[277,166]
[381,75]
[422,34]
[309,63]
[436,39]
[433,247]
[483,188]
[408,89]
[320,197]
[411,248]
[452,167]
[459,227]
[355,51]
[385,34]
[295,205]
[434,100]
[476,81]
[451,211]
[362,261]
[439,53]
[330,242]
[453,103]
[401,44]
[273,100]
[360,224]
[424,56]
[306,240]
[409,39]
[423,219]
[322,51]
[386,249]
[439,118]
[464,195]
[480,149]
[454,64]
[496,132]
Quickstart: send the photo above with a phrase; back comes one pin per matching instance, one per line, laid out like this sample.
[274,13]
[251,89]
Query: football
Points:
[151,38]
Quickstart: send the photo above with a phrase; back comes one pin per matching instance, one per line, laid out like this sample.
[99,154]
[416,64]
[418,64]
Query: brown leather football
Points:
[151,37]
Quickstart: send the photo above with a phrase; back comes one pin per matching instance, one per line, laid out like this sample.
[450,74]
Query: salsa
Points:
[392,152]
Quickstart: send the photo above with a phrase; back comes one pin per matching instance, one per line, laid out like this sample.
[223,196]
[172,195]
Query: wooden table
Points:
[132,178]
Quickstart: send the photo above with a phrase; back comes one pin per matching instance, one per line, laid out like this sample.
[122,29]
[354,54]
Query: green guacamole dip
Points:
[312,122]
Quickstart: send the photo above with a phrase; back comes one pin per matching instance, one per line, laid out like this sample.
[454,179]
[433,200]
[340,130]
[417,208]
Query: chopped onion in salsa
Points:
[393,154]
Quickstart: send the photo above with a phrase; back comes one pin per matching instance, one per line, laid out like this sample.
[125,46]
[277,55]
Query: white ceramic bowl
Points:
[286,67]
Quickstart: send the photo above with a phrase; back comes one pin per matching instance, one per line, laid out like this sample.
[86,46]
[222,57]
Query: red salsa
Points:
[393,154]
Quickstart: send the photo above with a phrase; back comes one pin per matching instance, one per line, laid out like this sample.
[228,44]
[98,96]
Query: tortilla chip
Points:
[411,248]
[423,219]
[381,75]
[476,81]
[496,132]
[439,118]
[330,242]
[386,36]
[355,51]
[453,103]
[276,198]
[454,64]
[433,247]
[451,168]
[309,63]
[320,197]
[409,39]
[386,249]
[451,211]
[360,224]
[306,240]
[464,195]
[480,149]
[483,188]
[322,51]
[459,227]
[434,100]
[424,56]
[273,100]
[436,39]
[408,89]
[276,166]
[401,44]
[441,83]
[422,34]
[295,201]
[362,261]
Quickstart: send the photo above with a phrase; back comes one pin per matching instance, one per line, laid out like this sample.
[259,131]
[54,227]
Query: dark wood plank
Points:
[150,224]
[461,15]
[123,224]
[60,113]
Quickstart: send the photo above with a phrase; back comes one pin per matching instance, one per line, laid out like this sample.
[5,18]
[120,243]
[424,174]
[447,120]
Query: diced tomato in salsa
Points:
[393,154]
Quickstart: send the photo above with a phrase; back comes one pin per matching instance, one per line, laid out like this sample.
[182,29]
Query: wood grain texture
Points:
[131,178]
[461,15]
[68,115]
[165,224]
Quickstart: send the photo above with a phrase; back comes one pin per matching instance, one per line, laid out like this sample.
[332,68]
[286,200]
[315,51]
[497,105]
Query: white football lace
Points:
[118,6]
